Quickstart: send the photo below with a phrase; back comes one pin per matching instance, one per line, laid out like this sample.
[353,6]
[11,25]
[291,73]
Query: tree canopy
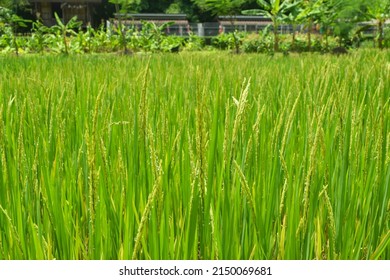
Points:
[207,10]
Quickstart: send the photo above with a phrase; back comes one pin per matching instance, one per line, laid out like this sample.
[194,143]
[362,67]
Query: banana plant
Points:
[276,10]
[102,39]
[85,40]
[63,30]
[38,37]
[151,36]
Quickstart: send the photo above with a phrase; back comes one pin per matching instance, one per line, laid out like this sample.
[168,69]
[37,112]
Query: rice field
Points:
[195,156]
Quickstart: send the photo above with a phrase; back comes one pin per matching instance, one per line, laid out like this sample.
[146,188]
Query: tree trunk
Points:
[276,37]
[235,38]
[121,31]
[309,35]
[16,45]
[327,38]
[236,43]
[293,37]
[380,35]
[65,42]
[14,41]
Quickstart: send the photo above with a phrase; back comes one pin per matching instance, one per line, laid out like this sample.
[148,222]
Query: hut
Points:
[66,9]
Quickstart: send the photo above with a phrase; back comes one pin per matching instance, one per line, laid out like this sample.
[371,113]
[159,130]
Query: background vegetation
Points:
[199,10]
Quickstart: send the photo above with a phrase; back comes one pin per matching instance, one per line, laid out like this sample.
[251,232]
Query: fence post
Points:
[200,30]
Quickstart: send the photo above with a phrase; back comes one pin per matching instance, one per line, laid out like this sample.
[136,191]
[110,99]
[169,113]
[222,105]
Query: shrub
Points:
[194,43]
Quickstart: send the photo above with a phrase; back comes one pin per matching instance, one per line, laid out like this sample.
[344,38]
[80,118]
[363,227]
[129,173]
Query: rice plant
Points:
[195,156]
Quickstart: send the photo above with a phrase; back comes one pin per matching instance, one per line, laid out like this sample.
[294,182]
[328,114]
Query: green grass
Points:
[195,156]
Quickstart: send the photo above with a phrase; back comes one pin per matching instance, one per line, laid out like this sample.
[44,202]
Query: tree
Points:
[228,8]
[310,11]
[379,11]
[329,12]
[8,4]
[133,6]
[11,21]
[122,7]
[291,17]
[16,6]
[221,7]
[276,10]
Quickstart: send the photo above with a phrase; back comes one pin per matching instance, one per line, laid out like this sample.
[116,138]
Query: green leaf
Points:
[385,242]
[255,12]
[264,4]
[58,20]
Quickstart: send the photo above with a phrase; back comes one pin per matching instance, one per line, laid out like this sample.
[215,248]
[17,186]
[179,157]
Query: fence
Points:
[211,29]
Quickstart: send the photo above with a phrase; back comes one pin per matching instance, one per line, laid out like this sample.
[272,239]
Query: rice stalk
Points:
[3,149]
[283,198]
[143,108]
[15,234]
[226,135]
[282,239]
[278,127]
[248,195]
[93,174]
[302,227]
[256,130]
[146,213]
[288,125]
[22,161]
[331,221]
[213,237]
[241,106]
[385,242]
[155,170]
[201,148]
